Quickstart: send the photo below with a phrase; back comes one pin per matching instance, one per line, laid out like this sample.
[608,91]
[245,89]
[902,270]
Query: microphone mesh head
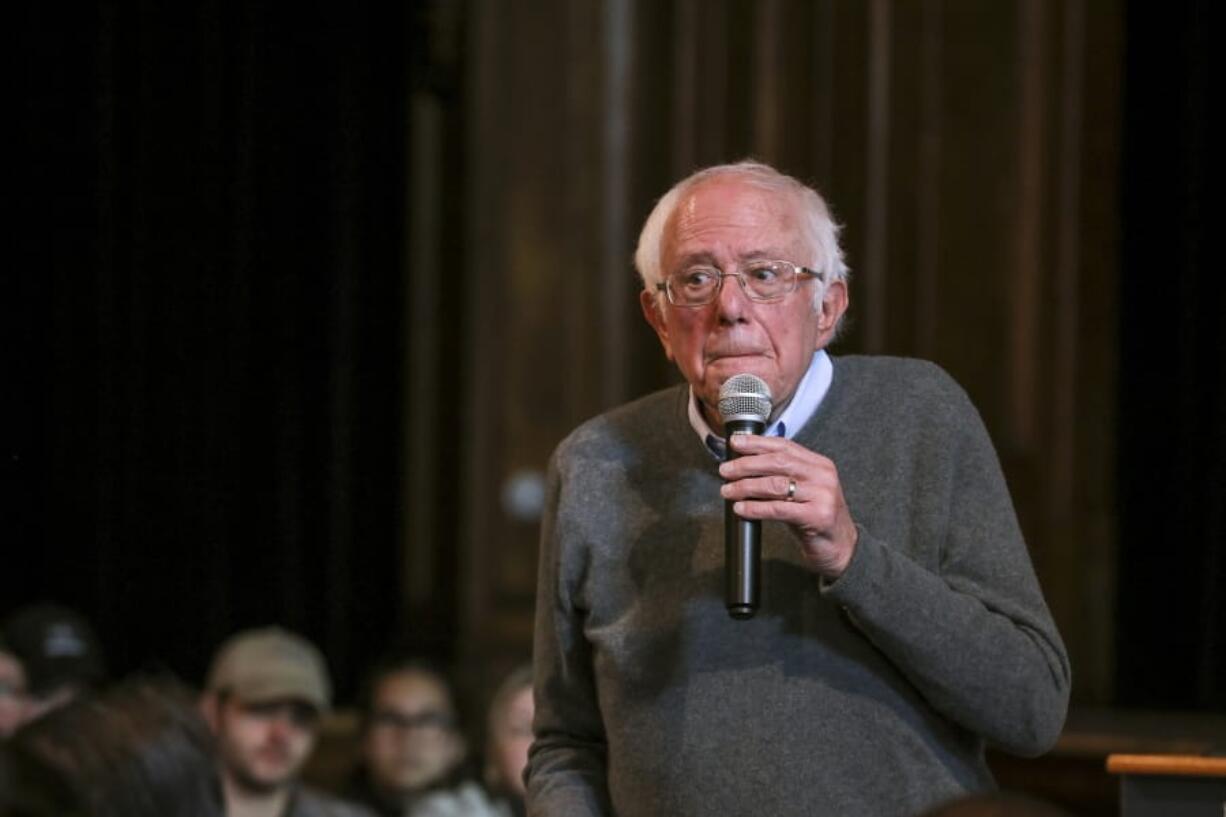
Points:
[744,397]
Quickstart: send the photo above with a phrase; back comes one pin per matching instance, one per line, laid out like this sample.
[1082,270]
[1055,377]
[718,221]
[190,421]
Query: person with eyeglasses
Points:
[266,692]
[412,743]
[500,792]
[900,626]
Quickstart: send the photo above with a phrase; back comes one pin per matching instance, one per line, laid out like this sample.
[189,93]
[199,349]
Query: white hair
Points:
[820,233]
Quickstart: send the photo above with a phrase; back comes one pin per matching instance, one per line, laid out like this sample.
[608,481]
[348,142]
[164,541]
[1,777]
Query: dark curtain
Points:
[204,324]
[1172,467]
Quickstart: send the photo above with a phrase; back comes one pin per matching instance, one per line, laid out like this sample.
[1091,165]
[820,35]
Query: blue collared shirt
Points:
[810,392]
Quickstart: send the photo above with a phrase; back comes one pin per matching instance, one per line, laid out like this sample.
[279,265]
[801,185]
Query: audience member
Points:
[509,737]
[137,749]
[509,734]
[12,692]
[62,656]
[411,741]
[264,697]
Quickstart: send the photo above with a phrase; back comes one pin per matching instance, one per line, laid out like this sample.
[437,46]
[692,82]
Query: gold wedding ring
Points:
[791,490]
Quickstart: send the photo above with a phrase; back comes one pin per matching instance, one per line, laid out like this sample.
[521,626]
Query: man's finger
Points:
[761,487]
[757,443]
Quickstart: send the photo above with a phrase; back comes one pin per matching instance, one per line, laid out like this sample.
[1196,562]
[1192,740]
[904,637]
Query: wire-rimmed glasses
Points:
[761,281]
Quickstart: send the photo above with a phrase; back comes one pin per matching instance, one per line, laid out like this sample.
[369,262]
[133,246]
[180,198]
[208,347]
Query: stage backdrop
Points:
[972,152]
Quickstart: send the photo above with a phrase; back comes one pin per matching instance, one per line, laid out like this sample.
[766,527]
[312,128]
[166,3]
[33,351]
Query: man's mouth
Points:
[277,757]
[732,356]
[731,348]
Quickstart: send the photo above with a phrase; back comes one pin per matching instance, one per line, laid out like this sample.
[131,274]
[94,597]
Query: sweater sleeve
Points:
[567,768]
[972,633]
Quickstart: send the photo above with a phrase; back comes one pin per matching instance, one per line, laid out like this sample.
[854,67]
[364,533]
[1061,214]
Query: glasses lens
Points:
[693,286]
[402,721]
[768,280]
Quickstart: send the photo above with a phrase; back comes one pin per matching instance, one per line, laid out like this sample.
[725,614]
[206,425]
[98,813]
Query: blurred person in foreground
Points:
[901,625]
[12,692]
[135,749]
[412,743]
[28,788]
[62,655]
[265,694]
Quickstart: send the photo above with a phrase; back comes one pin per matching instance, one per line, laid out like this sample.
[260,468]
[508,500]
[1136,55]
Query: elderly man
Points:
[901,626]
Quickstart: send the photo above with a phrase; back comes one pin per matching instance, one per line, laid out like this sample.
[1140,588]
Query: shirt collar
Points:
[809,394]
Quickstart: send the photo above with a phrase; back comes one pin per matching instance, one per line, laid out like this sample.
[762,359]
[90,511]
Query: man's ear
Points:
[650,302]
[834,304]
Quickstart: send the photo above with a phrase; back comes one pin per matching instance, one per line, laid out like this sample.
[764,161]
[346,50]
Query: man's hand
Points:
[775,478]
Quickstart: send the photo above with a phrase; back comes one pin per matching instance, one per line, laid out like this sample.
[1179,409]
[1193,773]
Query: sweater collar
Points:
[810,392]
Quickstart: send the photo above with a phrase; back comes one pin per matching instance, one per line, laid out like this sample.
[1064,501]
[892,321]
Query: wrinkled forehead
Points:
[731,216]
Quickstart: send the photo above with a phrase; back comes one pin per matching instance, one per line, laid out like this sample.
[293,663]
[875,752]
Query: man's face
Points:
[725,223]
[263,746]
[411,740]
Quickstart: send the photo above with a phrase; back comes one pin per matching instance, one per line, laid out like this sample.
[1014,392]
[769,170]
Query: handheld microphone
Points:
[744,406]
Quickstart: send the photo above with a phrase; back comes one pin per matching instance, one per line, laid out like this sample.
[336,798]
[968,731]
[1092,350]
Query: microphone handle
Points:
[742,542]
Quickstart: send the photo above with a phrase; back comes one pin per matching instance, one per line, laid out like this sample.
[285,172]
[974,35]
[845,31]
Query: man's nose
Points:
[731,301]
[283,725]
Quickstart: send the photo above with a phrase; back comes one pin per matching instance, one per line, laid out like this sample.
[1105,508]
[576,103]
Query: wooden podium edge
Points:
[1174,765]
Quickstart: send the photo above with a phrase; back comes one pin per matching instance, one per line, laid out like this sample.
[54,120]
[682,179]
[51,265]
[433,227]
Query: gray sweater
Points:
[872,695]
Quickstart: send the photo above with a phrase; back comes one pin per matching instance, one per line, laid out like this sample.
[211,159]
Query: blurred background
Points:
[302,300]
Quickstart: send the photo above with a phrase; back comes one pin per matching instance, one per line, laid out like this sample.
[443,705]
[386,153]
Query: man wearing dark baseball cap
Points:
[60,652]
[264,696]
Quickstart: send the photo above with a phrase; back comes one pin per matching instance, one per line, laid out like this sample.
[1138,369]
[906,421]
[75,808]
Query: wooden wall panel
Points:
[965,146]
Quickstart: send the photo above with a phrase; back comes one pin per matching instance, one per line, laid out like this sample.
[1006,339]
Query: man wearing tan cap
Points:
[264,696]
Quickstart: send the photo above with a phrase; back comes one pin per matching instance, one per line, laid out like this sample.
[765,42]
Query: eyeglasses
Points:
[761,281]
[402,722]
